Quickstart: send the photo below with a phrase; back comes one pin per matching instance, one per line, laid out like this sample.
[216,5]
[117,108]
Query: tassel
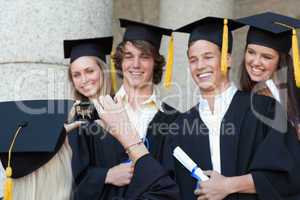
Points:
[169,65]
[295,49]
[224,52]
[8,185]
[113,73]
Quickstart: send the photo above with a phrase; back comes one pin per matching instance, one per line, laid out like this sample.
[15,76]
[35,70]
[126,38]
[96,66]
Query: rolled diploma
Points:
[188,163]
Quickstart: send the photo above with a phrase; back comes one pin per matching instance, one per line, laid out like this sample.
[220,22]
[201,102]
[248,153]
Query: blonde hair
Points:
[105,88]
[52,181]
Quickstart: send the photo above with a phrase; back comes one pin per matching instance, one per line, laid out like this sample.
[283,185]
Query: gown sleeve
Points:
[276,163]
[151,182]
[89,179]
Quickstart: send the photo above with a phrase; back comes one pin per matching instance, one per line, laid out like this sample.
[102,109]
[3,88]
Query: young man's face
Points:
[205,60]
[137,67]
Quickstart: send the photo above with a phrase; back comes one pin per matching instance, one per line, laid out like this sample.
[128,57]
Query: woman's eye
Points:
[75,75]
[250,52]
[193,61]
[267,57]
[90,71]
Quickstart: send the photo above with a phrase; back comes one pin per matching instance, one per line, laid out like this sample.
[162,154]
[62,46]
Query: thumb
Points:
[118,100]
[97,106]
[208,172]
[101,123]
[71,126]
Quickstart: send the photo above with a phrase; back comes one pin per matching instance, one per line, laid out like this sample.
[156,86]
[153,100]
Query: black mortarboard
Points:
[141,31]
[152,34]
[41,136]
[270,30]
[210,29]
[99,47]
[277,32]
[216,30]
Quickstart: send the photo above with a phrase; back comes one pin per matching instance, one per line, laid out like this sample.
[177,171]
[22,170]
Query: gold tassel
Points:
[295,49]
[113,73]
[8,185]
[224,52]
[169,65]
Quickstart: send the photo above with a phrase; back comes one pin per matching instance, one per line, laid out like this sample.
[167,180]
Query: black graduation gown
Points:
[247,145]
[94,154]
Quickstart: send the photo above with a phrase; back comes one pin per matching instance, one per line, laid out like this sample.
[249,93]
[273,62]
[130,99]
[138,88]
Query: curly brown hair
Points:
[145,47]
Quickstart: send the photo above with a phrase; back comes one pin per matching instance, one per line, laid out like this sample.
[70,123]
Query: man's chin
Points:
[206,87]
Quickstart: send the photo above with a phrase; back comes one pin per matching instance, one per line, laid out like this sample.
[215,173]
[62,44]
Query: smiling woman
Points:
[88,72]
[267,62]
[88,77]
[261,62]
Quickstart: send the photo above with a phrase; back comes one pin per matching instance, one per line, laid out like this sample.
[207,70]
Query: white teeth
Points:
[136,73]
[204,75]
[256,69]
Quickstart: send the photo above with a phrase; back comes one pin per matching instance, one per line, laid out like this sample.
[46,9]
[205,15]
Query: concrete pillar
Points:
[31,51]
[174,14]
[31,38]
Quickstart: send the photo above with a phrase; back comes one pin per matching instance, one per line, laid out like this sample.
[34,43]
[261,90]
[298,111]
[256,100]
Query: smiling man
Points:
[140,64]
[244,157]
[112,173]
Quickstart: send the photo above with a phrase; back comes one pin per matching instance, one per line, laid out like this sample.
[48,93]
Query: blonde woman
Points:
[53,179]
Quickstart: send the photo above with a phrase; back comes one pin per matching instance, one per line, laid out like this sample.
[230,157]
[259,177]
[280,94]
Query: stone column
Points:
[31,37]
[174,14]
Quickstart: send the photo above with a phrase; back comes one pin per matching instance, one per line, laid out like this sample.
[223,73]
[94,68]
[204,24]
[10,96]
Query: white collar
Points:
[223,99]
[274,90]
[153,99]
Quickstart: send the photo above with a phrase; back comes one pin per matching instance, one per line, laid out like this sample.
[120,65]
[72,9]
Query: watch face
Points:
[84,110]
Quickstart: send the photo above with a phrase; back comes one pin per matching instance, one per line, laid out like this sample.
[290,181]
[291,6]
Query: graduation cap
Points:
[216,30]
[31,133]
[152,34]
[277,32]
[99,47]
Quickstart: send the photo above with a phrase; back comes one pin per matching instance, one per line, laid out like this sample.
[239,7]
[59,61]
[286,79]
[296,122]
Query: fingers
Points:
[198,192]
[106,101]
[208,172]
[118,100]
[202,197]
[98,106]
[73,125]
[101,123]
[76,102]
[102,102]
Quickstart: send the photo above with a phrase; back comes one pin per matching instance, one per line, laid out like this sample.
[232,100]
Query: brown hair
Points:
[145,47]
[285,61]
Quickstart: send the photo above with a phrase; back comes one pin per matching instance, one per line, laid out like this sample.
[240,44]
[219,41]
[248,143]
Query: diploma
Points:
[189,164]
